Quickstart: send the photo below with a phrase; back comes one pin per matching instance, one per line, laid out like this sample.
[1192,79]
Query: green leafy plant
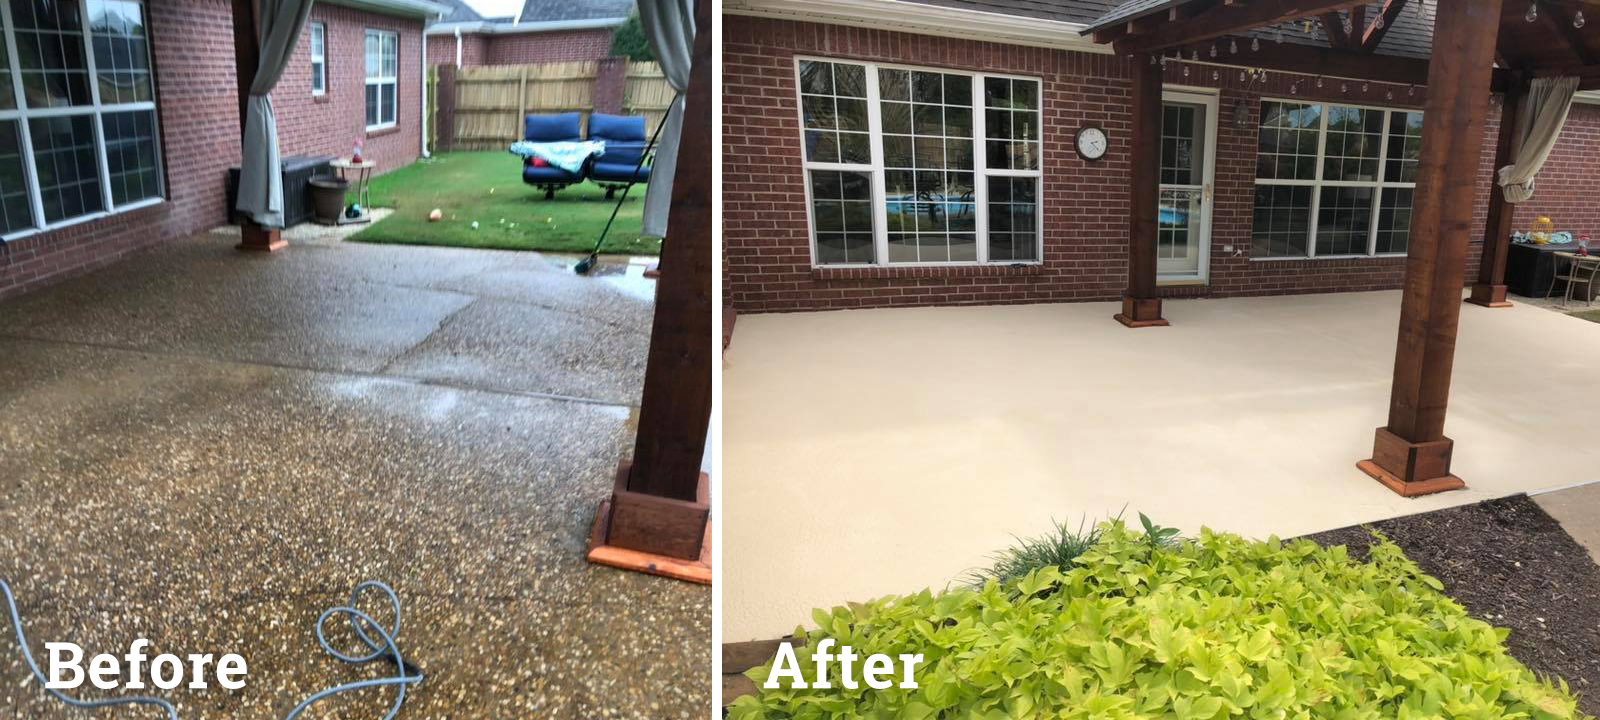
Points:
[1156,535]
[1211,628]
[628,40]
[1056,549]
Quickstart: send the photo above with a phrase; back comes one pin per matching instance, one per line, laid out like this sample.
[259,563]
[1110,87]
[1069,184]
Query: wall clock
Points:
[1091,142]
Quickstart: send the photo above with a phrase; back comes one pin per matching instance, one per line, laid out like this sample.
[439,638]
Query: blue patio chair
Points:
[620,166]
[551,128]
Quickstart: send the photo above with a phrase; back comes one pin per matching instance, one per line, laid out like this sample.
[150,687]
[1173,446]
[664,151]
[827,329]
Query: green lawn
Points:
[511,215]
[1590,315]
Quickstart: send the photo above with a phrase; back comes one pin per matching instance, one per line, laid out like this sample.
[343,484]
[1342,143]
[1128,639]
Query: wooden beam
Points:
[246,58]
[1226,20]
[1557,17]
[1140,305]
[1373,37]
[1490,290]
[1333,27]
[1411,455]
[1315,60]
[658,506]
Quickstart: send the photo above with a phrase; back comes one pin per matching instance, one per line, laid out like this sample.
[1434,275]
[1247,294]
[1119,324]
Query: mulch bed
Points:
[1511,565]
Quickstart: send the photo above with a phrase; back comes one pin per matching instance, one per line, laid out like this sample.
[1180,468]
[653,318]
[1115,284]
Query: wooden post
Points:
[522,105]
[1412,455]
[1140,305]
[658,517]
[246,58]
[1490,290]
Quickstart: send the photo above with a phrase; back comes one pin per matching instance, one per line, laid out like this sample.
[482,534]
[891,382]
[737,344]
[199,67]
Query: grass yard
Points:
[1590,315]
[511,215]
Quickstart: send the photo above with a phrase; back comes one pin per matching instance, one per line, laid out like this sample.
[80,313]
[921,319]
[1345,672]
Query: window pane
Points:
[1287,148]
[68,166]
[1344,220]
[372,54]
[841,214]
[317,76]
[372,104]
[1394,221]
[121,53]
[391,55]
[1354,138]
[316,40]
[131,154]
[1013,219]
[50,49]
[1405,146]
[388,102]
[16,213]
[1011,123]
[8,96]
[1182,148]
[1282,221]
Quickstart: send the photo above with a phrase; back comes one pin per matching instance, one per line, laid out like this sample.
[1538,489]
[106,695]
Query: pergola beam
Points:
[1141,307]
[1228,19]
[1557,17]
[1333,25]
[1490,290]
[1373,37]
[1314,60]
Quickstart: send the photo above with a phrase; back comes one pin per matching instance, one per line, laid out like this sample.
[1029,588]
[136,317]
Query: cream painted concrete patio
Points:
[875,452]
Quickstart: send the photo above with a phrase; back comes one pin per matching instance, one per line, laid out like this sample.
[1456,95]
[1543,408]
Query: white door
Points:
[1183,234]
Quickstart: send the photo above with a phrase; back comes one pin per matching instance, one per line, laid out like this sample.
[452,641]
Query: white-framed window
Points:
[319,59]
[78,136]
[919,166]
[1334,180]
[383,62]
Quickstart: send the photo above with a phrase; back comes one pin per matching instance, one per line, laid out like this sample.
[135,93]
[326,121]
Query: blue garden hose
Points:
[360,622]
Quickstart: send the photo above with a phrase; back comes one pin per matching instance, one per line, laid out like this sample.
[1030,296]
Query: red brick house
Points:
[940,152]
[542,32]
[127,141]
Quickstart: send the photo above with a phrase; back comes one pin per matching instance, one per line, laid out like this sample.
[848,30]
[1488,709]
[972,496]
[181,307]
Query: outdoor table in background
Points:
[363,174]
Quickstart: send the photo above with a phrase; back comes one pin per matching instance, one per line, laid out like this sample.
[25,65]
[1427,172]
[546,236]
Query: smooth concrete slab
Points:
[878,452]
[1578,511]
[160,486]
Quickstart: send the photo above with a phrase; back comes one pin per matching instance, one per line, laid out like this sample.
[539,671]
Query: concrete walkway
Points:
[879,452]
[206,449]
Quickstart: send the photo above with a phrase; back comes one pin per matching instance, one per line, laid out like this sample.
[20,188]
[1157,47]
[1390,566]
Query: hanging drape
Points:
[669,26]
[1544,113]
[260,182]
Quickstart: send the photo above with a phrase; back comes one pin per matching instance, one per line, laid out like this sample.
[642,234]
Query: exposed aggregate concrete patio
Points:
[207,449]
[874,452]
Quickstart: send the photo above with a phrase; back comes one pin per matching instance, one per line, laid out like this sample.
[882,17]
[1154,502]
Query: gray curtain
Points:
[260,183]
[669,26]
[1544,113]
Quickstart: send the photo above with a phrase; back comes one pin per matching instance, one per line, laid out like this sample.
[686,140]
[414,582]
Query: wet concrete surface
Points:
[207,449]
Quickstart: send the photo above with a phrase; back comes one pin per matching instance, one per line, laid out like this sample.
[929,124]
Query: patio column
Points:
[1490,290]
[1411,455]
[246,58]
[1140,305]
[658,517]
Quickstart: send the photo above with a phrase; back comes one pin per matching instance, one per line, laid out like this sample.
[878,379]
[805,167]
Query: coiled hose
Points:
[361,623]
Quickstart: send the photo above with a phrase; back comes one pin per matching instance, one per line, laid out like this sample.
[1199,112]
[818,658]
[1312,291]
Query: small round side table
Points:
[363,174]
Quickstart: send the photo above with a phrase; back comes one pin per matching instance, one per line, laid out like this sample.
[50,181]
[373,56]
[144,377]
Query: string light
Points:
[1319,82]
[1255,44]
[1348,25]
[1363,87]
[1533,12]
[1213,50]
[1344,87]
[1377,22]
[1233,45]
[1577,20]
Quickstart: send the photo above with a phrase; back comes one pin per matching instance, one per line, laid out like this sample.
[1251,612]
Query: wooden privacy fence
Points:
[490,101]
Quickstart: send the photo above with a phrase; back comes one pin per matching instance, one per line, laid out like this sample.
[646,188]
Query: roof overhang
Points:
[403,8]
[486,27]
[925,19]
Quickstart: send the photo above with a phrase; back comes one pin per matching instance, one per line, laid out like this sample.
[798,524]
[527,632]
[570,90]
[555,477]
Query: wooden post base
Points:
[255,238]
[1141,312]
[1492,296]
[651,534]
[653,270]
[1411,469]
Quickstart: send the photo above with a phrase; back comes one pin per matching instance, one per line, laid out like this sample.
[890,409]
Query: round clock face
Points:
[1092,143]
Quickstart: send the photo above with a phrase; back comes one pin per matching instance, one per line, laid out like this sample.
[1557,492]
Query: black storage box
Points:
[297,173]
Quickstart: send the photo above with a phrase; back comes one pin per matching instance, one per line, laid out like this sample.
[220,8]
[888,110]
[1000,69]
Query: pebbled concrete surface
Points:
[207,449]
[1578,511]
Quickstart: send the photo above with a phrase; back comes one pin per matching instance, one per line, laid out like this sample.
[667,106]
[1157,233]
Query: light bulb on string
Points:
[1255,44]
[1578,21]
[1319,82]
[1213,51]
[1533,12]
[1233,45]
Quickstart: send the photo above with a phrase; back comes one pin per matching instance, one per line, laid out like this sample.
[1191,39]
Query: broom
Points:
[585,265]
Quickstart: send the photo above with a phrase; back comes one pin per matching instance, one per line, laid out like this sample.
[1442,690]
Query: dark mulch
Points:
[1512,566]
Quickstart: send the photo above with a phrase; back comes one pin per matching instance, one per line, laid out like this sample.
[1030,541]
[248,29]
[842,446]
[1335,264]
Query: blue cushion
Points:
[619,172]
[616,128]
[552,128]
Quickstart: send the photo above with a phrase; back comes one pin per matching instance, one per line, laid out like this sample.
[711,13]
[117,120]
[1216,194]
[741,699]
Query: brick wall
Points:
[331,123]
[767,250]
[192,45]
[521,48]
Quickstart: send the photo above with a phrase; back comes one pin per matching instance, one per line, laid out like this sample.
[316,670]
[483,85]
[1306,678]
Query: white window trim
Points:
[21,114]
[319,60]
[875,169]
[1377,186]
[381,80]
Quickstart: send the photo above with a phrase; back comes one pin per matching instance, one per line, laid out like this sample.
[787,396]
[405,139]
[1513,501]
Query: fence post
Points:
[522,105]
[444,120]
[610,80]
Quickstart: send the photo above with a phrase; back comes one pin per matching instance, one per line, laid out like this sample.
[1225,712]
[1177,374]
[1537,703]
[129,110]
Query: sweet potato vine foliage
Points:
[1216,627]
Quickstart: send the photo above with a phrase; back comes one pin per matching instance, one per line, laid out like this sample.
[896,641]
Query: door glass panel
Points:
[1178,230]
[1182,204]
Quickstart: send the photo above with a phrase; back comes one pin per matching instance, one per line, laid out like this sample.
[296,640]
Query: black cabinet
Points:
[297,173]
